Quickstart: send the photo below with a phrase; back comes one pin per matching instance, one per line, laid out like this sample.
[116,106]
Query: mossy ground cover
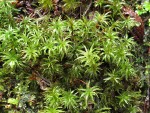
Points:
[72,56]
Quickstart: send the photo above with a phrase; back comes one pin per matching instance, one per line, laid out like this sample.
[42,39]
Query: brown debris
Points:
[1,95]
[137,32]
[25,7]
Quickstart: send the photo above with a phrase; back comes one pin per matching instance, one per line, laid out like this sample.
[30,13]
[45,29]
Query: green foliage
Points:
[90,60]
[62,54]
[12,101]
[46,4]
[99,3]
[112,77]
[53,97]
[143,8]
[115,6]
[70,4]
[52,110]
[6,13]
[125,99]
[69,100]
[89,93]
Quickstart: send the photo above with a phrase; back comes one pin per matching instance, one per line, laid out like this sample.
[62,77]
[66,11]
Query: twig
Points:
[46,81]
[146,19]
[87,8]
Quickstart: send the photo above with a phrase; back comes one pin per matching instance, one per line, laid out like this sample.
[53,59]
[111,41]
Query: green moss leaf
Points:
[13,101]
